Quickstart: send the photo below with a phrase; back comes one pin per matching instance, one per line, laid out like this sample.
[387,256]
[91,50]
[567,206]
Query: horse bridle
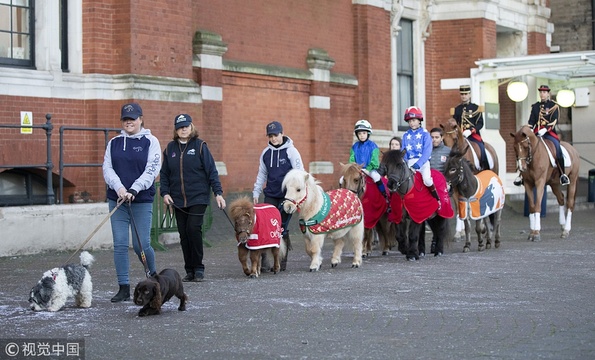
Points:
[529,156]
[460,174]
[247,231]
[403,180]
[298,203]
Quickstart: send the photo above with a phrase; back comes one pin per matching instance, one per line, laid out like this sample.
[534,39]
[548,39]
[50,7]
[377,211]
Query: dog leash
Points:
[120,202]
[143,258]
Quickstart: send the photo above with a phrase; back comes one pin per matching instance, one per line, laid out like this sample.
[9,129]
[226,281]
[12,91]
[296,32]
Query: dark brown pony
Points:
[242,214]
[355,180]
[453,138]
[533,161]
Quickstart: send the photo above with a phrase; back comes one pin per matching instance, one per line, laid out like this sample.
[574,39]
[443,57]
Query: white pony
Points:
[336,214]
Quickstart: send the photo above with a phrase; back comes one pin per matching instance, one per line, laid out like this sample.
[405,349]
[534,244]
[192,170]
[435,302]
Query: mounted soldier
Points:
[469,117]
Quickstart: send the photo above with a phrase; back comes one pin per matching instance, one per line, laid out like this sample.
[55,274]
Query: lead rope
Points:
[143,258]
[120,201]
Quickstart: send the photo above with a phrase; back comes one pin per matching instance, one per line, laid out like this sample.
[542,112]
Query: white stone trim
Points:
[207,61]
[320,102]
[321,167]
[213,93]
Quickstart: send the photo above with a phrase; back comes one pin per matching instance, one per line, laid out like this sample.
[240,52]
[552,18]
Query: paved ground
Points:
[525,300]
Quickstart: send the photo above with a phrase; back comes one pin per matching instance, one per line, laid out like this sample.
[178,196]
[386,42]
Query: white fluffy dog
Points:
[58,284]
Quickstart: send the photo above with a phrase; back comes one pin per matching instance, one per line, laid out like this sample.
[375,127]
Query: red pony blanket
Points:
[375,205]
[419,202]
[488,198]
[267,228]
[341,208]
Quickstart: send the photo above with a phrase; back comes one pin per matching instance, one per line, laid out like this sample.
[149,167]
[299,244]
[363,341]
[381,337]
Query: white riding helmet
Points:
[363,125]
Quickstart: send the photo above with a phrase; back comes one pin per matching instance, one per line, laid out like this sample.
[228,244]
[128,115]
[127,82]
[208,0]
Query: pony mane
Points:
[392,156]
[350,169]
[241,206]
[300,175]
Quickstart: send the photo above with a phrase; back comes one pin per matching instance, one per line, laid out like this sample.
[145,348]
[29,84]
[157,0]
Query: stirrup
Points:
[564,180]
[518,181]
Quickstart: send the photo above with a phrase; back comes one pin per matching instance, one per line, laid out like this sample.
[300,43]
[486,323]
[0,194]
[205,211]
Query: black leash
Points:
[186,212]
[142,251]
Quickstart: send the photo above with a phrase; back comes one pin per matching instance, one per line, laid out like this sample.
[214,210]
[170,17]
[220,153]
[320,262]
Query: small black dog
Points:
[157,290]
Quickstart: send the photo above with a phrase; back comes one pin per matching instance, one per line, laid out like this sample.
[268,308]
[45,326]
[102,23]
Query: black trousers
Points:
[190,229]
[285,217]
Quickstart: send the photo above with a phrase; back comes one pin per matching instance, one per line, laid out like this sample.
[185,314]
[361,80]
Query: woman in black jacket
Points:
[188,174]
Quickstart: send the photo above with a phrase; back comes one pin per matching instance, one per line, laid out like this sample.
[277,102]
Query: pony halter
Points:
[298,203]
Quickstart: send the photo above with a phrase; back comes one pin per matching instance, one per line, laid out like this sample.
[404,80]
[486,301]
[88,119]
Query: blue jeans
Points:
[122,227]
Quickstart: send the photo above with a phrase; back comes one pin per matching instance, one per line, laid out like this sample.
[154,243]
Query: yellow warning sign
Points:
[26,120]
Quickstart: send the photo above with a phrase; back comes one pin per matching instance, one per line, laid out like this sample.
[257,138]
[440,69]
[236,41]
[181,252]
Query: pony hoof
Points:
[565,234]
[488,246]
[252,276]
[497,244]
[466,249]
[385,253]
[364,256]
[355,266]
[438,254]
[422,255]
[411,259]
[481,248]
[334,265]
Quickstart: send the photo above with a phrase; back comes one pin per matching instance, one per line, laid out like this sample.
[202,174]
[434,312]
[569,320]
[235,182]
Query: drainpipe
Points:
[593,23]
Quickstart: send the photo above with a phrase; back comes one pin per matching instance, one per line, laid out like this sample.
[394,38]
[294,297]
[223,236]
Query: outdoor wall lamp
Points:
[565,98]
[517,91]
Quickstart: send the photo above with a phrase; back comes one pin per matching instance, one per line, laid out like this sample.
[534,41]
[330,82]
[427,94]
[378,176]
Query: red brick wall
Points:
[450,52]
[280,32]
[536,44]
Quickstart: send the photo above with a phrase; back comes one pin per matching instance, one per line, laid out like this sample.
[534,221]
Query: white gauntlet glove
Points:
[541,131]
[466,133]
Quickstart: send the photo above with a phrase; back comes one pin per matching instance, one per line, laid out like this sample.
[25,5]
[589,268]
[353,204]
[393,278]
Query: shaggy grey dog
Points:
[58,284]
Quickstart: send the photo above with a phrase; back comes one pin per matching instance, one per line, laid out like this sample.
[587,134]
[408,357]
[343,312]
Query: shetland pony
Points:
[477,196]
[418,202]
[337,215]
[374,205]
[258,229]
[534,162]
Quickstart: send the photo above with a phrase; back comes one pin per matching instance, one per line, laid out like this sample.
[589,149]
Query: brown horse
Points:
[534,157]
[375,208]
[453,138]
[256,234]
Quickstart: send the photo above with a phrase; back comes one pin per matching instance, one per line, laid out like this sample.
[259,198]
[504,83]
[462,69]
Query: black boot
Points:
[123,294]
[434,193]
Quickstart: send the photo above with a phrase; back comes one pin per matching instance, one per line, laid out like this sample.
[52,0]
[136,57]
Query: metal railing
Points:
[49,165]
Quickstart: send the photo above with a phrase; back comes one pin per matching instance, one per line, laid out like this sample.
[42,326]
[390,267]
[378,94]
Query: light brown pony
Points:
[453,137]
[242,214]
[355,180]
[533,161]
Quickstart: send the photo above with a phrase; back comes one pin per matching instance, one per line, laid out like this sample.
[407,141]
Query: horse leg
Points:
[386,234]
[355,235]
[439,228]
[565,215]
[467,246]
[479,229]
[337,251]
[460,227]
[412,248]
[276,260]
[255,259]
[243,256]
[421,241]
[367,243]
[497,219]
[535,208]
[316,243]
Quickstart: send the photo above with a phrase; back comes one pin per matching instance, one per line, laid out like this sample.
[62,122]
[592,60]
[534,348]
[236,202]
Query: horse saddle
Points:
[551,150]
[476,158]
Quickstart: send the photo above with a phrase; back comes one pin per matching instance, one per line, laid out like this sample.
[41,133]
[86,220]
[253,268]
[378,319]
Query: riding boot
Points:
[382,189]
[434,193]
[123,294]
[564,180]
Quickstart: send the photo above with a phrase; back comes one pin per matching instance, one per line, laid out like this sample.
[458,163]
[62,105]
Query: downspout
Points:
[593,23]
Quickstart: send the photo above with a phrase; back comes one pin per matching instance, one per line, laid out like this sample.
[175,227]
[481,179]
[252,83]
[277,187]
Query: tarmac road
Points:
[525,300]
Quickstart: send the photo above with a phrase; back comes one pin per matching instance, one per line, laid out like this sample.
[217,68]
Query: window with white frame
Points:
[17,32]
[405,70]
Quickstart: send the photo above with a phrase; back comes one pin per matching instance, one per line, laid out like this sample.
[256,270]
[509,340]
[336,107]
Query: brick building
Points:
[315,65]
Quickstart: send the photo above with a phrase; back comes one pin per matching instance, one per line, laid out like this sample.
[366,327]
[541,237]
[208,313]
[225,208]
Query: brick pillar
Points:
[320,65]
[208,50]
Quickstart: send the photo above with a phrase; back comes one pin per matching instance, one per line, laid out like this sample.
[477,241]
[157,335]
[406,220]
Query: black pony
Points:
[402,180]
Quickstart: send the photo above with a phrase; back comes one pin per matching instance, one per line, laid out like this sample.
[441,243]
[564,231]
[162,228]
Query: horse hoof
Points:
[422,255]
[466,249]
[438,254]
[385,253]
[497,244]
[411,259]
[481,248]
[565,234]
[252,276]
[364,256]
[354,266]
[334,265]
[536,238]
[488,246]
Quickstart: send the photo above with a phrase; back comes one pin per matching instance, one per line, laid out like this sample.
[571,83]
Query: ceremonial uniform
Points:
[469,117]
